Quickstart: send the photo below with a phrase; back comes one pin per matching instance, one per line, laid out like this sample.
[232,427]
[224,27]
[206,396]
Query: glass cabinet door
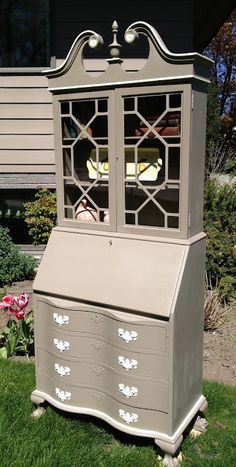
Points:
[121,161]
[86,158]
[152,139]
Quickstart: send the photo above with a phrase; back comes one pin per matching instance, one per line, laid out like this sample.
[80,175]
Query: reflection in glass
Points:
[174,163]
[150,107]
[65,107]
[67,171]
[175,100]
[102,105]
[85,159]
[68,213]
[99,127]
[142,163]
[168,199]
[173,222]
[151,215]
[152,137]
[97,163]
[69,130]
[129,103]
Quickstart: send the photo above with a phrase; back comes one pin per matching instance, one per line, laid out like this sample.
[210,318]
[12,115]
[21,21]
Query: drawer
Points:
[75,345]
[121,328]
[98,403]
[135,391]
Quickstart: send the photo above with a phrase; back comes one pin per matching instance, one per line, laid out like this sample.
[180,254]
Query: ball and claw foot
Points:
[169,450]
[170,461]
[37,413]
[37,401]
[200,424]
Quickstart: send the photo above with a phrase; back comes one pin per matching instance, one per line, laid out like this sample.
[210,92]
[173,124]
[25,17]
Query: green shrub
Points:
[41,215]
[14,265]
[219,224]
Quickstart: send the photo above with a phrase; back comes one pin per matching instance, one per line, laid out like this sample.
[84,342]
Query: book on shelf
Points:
[161,130]
[170,119]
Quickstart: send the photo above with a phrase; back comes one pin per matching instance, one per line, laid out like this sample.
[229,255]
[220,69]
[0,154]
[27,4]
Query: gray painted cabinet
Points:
[119,292]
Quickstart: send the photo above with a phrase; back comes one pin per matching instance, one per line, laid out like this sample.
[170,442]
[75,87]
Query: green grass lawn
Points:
[59,439]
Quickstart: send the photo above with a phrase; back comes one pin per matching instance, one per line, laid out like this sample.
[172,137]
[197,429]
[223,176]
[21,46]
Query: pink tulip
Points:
[7,302]
[22,301]
[20,314]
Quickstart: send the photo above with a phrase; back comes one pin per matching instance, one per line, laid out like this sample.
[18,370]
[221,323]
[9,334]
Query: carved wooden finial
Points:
[115,46]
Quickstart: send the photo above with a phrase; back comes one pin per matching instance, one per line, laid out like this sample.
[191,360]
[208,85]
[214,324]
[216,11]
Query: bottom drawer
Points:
[97,403]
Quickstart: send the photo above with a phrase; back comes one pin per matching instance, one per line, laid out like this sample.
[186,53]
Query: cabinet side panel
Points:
[188,336]
[197,157]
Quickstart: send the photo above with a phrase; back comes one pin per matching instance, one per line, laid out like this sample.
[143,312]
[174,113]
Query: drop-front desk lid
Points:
[116,272]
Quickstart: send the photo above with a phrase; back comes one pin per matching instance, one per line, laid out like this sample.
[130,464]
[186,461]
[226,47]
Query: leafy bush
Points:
[41,215]
[15,266]
[219,224]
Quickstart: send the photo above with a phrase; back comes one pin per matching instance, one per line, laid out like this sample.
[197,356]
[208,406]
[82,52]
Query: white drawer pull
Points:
[127,336]
[128,391]
[61,345]
[62,370]
[63,395]
[128,417]
[61,320]
[127,363]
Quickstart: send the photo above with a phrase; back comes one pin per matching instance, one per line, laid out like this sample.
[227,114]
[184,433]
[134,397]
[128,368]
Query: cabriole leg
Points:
[37,401]
[169,450]
[200,424]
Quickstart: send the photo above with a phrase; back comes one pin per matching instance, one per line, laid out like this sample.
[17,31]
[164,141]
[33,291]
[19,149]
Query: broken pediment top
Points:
[161,63]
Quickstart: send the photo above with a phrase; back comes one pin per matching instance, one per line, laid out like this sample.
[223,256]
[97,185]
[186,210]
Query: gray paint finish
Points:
[112,297]
[130,274]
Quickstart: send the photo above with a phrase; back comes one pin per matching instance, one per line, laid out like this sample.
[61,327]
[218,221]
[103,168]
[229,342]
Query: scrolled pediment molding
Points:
[89,37]
[141,27]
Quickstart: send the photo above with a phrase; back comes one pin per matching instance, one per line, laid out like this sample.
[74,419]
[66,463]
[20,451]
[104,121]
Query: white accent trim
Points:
[131,82]
[149,31]
[78,43]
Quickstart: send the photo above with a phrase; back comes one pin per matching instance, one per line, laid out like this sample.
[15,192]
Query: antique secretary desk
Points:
[119,293]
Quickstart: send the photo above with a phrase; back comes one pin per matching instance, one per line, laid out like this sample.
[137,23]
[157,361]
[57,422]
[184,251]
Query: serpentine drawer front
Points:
[136,391]
[123,329]
[127,361]
[73,399]
[107,360]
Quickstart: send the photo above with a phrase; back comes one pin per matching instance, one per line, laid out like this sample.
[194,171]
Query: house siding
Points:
[26,125]
[26,120]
